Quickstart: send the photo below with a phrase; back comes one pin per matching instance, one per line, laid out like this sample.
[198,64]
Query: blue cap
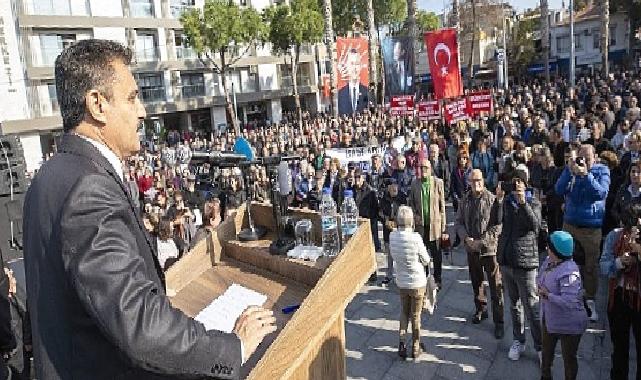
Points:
[327,190]
[348,194]
[561,243]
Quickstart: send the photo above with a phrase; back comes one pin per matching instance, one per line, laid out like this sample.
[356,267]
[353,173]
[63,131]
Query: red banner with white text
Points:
[429,110]
[442,57]
[402,105]
[455,110]
[479,102]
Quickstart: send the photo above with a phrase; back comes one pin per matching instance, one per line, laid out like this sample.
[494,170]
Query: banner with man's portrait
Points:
[397,60]
[353,75]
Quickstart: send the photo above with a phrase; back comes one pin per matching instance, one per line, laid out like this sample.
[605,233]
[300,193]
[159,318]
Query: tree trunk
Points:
[299,112]
[330,46]
[605,36]
[411,23]
[470,66]
[228,103]
[545,37]
[373,73]
[382,71]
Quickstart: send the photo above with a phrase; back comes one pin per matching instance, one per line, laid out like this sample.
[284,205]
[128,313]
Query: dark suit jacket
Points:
[345,100]
[95,288]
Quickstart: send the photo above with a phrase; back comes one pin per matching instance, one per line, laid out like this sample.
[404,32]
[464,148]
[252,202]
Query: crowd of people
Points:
[546,190]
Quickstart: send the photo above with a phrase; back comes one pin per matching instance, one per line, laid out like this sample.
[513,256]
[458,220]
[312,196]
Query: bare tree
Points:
[330,46]
[373,72]
[545,37]
[411,23]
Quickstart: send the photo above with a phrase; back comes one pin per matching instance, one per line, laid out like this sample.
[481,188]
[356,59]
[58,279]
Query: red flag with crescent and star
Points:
[442,56]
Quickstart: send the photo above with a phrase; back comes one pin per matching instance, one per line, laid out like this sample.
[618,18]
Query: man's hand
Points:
[627,261]
[468,243]
[520,197]
[12,281]
[252,326]
[543,292]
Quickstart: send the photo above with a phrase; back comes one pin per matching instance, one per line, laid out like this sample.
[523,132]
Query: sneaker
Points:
[594,317]
[516,350]
[479,316]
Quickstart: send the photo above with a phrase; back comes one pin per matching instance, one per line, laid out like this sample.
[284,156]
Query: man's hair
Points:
[82,67]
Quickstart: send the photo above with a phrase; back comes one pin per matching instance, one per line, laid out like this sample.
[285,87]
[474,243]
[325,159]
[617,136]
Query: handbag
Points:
[429,303]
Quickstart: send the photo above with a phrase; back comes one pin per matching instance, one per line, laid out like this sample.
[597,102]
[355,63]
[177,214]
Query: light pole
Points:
[572,52]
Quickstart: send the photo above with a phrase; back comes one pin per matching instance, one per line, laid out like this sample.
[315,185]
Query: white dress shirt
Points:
[108,154]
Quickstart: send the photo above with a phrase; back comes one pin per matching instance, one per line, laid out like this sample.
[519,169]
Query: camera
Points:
[580,161]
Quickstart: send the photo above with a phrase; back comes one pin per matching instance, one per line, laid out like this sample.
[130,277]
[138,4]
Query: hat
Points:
[521,172]
[561,243]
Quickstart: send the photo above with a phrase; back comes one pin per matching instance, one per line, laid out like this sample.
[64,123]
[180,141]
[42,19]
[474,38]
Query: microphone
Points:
[284,180]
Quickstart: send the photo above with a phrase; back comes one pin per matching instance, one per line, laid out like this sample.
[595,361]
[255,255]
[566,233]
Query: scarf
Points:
[631,293]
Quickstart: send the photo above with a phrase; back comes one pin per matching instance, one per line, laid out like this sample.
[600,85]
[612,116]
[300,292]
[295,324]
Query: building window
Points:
[613,35]
[146,48]
[578,41]
[51,45]
[53,97]
[177,7]
[58,7]
[596,39]
[141,8]
[563,44]
[193,84]
[151,86]
[183,50]
[244,3]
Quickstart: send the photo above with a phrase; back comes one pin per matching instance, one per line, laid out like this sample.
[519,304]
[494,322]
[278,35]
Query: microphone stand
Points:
[252,233]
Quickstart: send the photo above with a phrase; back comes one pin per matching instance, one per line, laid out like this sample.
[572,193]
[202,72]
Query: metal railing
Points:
[152,94]
[147,55]
[48,8]
[183,52]
[141,10]
[192,90]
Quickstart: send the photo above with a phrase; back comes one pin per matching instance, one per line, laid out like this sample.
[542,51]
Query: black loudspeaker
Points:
[11,152]
[11,227]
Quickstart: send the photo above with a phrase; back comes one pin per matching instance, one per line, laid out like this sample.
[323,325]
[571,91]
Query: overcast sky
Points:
[437,5]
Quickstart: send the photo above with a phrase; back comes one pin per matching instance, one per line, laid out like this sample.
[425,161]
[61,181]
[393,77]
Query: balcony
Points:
[147,55]
[183,52]
[287,83]
[192,90]
[141,9]
[177,10]
[55,8]
[152,94]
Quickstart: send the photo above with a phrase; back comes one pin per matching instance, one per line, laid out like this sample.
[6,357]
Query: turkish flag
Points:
[442,56]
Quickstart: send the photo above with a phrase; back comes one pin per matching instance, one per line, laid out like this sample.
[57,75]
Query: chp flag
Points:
[429,110]
[442,57]
[479,101]
[402,105]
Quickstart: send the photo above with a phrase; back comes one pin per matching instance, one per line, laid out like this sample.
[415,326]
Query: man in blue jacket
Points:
[585,184]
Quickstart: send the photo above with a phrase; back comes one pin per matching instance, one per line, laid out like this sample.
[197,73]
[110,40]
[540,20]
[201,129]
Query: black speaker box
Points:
[11,226]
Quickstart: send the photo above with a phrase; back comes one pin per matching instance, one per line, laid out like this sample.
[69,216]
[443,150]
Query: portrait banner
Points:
[429,110]
[397,61]
[480,101]
[353,75]
[442,57]
[402,105]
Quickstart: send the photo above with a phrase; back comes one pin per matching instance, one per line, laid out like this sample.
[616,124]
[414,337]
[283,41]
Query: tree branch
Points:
[236,59]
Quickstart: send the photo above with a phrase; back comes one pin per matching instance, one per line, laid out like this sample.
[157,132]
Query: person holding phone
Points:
[584,184]
[518,256]
[621,265]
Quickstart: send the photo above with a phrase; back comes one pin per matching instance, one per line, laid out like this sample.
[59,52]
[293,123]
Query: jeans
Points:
[590,240]
[411,307]
[373,223]
[389,272]
[622,318]
[569,347]
[478,265]
[521,290]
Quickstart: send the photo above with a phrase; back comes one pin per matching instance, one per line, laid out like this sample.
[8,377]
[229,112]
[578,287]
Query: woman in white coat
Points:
[410,258]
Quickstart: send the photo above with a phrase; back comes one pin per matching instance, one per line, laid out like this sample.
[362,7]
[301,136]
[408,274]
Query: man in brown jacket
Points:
[479,226]
[427,200]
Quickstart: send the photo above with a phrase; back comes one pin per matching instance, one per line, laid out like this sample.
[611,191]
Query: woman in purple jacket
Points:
[563,316]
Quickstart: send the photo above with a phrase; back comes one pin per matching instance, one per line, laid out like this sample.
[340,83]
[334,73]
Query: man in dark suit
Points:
[398,80]
[353,97]
[95,288]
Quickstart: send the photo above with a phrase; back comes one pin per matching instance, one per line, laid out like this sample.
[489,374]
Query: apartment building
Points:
[177,90]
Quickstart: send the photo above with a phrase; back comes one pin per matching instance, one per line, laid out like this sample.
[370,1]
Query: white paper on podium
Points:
[221,314]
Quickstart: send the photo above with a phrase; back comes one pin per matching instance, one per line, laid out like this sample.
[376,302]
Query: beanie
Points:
[521,172]
[562,244]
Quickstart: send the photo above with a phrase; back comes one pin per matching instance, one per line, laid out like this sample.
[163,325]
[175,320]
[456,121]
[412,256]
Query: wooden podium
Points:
[310,343]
